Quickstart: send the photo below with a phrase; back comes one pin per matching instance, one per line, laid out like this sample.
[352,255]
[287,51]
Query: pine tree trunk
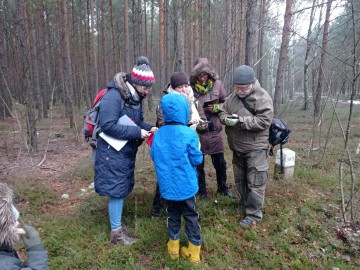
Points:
[318,94]
[251,30]
[5,97]
[279,85]
[66,63]
[162,52]
[179,32]
[126,34]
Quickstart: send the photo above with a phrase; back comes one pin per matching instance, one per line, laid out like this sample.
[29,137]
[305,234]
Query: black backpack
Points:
[279,133]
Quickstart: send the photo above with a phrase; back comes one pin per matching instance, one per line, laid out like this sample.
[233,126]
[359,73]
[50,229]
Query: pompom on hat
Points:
[141,74]
[178,78]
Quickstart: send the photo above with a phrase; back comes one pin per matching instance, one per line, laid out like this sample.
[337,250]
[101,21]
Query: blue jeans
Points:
[116,206]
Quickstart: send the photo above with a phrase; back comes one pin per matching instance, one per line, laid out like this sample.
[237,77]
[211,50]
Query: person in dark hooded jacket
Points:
[37,256]
[114,170]
[206,85]
[175,152]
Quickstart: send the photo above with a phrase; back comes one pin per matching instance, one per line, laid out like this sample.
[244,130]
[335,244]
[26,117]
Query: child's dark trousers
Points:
[187,209]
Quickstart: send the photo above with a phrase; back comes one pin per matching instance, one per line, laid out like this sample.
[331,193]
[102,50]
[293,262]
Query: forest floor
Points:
[62,165]
[59,152]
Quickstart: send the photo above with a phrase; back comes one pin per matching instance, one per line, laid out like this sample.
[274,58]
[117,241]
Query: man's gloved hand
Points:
[31,238]
[230,122]
[216,108]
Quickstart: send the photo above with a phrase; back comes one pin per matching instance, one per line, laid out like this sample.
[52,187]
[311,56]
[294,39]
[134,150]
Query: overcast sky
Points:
[301,19]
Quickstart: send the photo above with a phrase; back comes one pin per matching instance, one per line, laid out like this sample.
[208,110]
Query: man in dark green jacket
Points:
[247,114]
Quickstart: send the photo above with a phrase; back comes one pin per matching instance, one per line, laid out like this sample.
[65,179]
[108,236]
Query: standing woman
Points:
[206,85]
[114,170]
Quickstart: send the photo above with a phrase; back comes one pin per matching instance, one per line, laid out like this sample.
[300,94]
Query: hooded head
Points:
[141,74]
[202,65]
[8,217]
[175,108]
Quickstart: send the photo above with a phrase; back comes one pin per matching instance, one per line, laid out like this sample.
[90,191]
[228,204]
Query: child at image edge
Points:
[176,153]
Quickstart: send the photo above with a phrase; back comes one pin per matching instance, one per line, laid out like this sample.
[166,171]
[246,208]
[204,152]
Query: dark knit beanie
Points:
[243,75]
[178,78]
[141,74]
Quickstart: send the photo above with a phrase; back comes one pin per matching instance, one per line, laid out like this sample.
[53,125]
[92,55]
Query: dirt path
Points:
[60,152]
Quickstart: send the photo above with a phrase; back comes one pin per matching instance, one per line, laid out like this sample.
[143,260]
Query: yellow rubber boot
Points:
[191,252]
[173,248]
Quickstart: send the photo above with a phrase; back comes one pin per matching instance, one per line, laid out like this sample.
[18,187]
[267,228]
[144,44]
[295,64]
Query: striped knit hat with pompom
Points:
[141,74]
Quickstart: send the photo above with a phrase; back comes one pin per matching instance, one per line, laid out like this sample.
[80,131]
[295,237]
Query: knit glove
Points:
[230,122]
[31,238]
[216,108]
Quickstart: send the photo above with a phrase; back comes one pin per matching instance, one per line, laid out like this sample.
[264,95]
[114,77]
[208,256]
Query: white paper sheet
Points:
[117,143]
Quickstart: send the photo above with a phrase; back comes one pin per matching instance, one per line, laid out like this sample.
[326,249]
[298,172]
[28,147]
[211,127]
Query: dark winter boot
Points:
[219,163]
[120,236]
[157,204]
[201,180]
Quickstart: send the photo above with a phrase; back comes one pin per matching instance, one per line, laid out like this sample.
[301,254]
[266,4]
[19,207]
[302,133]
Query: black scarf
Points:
[8,251]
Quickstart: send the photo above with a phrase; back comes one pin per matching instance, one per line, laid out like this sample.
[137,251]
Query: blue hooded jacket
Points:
[175,151]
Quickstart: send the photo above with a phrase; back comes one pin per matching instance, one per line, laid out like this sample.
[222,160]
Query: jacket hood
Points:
[8,235]
[120,83]
[127,91]
[175,108]
[202,65]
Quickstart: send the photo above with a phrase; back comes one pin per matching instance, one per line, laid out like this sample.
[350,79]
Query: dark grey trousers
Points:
[186,208]
[251,174]
[219,163]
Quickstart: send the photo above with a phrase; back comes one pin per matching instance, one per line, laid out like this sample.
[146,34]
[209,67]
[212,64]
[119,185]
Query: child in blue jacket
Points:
[176,153]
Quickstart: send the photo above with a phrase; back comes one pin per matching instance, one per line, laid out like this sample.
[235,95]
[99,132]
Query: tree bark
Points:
[179,32]
[126,34]
[6,103]
[261,44]
[251,29]
[92,43]
[102,44]
[318,94]
[307,52]
[162,52]
[279,85]
[23,33]
[139,32]
[115,51]
[66,63]
[198,30]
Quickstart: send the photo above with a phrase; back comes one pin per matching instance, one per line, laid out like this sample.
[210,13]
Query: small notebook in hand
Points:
[210,102]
